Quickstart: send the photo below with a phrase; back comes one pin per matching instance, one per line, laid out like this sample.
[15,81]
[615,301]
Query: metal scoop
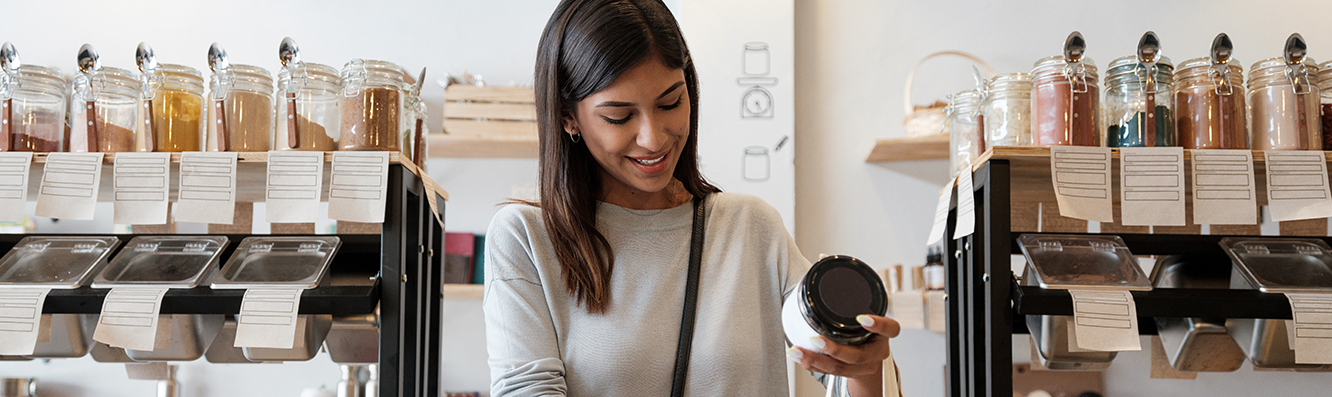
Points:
[147,61]
[1149,51]
[89,65]
[9,65]
[217,61]
[290,56]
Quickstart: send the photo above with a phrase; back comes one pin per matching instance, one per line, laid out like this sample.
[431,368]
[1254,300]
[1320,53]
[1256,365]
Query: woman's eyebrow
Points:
[618,104]
[669,90]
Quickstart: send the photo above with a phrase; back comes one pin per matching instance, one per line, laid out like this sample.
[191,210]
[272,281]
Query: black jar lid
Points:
[836,290]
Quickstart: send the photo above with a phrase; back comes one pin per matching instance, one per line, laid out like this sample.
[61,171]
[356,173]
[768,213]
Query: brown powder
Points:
[1275,123]
[112,138]
[38,131]
[370,120]
[249,122]
[312,135]
[1057,122]
[1207,120]
[176,121]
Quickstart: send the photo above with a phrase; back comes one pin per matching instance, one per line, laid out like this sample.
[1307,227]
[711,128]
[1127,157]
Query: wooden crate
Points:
[489,111]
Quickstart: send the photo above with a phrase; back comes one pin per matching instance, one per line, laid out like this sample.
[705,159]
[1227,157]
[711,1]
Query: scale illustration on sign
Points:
[756,102]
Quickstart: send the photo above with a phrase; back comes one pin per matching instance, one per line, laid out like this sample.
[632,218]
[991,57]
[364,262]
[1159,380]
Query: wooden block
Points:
[903,149]
[345,227]
[1052,222]
[490,127]
[1025,216]
[1161,368]
[465,92]
[492,111]
[1307,227]
[293,228]
[242,223]
[1236,230]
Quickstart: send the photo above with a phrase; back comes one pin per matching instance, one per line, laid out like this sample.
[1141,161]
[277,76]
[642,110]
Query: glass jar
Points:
[1209,105]
[1325,101]
[1137,103]
[114,95]
[1283,106]
[36,99]
[315,90]
[1006,110]
[1065,99]
[964,134]
[830,296]
[372,105]
[416,134]
[246,95]
[175,99]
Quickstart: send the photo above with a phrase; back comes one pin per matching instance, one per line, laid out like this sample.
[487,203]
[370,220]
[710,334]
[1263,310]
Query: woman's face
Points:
[636,128]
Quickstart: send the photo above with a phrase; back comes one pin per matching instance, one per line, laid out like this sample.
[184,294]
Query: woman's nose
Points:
[652,135]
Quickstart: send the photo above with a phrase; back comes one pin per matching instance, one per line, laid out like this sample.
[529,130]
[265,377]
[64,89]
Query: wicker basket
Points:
[929,119]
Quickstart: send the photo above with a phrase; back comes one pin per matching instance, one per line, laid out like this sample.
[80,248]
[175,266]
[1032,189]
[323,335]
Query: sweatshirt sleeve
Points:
[521,341]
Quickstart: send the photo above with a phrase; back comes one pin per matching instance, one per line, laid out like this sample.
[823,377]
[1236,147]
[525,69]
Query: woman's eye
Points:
[674,105]
[617,121]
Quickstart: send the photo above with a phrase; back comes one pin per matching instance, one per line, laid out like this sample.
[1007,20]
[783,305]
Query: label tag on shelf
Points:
[142,185]
[268,318]
[130,318]
[14,167]
[1151,186]
[1224,191]
[21,319]
[358,188]
[69,186]
[295,180]
[1081,179]
[966,206]
[1105,321]
[207,188]
[941,213]
[1312,329]
[1297,185]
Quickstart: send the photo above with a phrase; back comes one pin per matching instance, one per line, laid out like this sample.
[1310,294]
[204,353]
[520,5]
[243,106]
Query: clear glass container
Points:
[1065,100]
[36,96]
[1006,110]
[416,134]
[246,94]
[372,105]
[1138,104]
[175,95]
[114,95]
[54,261]
[964,134]
[1284,106]
[278,262]
[316,90]
[163,261]
[1082,261]
[1209,105]
[1325,101]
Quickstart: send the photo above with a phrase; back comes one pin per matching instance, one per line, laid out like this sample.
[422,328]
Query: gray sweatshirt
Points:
[541,343]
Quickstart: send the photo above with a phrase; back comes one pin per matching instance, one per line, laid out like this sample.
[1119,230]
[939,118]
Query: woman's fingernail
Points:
[865,320]
[818,343]
[794,354]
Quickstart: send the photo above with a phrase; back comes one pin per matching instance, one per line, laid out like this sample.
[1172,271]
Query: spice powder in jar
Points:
[115,92]
[247,93]
[1128,95]
[1064,103]
[1209,105]
[38,112]
[1325,101]
[317,90]
[1284,106]
[371,105]
[177,103]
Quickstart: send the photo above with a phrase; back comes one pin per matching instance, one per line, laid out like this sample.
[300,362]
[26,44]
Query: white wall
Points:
[852,58]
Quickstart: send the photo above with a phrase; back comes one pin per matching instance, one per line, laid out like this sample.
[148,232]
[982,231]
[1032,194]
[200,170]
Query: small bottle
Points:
[935,275]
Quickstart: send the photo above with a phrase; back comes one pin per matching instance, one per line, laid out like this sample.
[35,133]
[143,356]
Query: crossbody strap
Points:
[690,301]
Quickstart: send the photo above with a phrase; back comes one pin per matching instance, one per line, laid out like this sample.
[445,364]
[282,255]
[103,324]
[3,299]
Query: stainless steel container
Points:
[284,262]
[58,262]
[1196,344]
[190,336]
[18,387]
[310,333]
[1049,336]
[1275,265]
[354,340]
[223,350]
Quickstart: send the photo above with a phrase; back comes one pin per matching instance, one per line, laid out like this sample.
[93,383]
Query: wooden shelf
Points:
[482,146]
[909,149]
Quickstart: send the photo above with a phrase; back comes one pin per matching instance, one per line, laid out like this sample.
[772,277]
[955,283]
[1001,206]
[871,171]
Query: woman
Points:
[585,288]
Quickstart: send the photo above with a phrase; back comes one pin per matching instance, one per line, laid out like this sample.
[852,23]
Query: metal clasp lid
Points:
[1219,71]
[354,78]
[1075,71]
[1149,51]
[1296,72]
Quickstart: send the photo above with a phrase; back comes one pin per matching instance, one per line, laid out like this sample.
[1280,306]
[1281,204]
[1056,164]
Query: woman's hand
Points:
[861,365]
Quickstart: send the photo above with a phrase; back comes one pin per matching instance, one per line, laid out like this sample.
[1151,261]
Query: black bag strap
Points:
[690,301]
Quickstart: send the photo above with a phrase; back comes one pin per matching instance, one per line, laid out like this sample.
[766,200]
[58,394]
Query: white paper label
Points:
[909,309]
[1297,185]
[142,183]
[130,317]
[295,180]
[14,167]
[1224,192]
[1104,321]
[358,188]
[268,318]
[69,186]
[965,224]
[941,213]
[207,187]
[21,319]
[1312,327]
[1151,186]
[1081,178]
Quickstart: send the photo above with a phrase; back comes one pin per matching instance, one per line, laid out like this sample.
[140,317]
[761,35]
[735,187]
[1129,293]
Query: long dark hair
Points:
[586,45]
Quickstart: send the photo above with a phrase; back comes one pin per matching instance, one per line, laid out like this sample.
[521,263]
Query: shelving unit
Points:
[985,304]
[396,272]
[907,149]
